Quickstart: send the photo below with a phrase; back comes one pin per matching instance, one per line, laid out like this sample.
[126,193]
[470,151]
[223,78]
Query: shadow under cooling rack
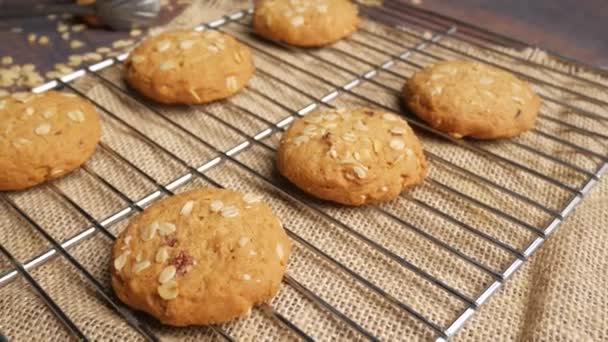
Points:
[419,266]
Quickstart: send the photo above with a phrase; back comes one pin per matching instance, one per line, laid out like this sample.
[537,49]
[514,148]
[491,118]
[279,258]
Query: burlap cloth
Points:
[559,294]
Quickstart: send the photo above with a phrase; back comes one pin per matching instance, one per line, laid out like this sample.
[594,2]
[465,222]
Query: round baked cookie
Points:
[191,67]
[44,136]
[307,23]
[352,156]
[465,98]
[201,257]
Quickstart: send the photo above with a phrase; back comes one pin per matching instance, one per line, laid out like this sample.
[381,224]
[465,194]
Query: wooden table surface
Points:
[575,28]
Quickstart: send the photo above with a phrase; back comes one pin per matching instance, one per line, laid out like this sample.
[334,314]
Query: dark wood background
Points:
[575,28]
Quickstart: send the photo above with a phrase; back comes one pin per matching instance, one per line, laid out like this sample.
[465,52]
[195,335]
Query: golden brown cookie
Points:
[189,67]
[305,23]
[201,257]
[44,136]
[465,98]
[352,156]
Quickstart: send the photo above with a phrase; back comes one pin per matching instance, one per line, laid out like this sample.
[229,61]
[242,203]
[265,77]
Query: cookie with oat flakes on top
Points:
[189,67]
[469,99]
[352,156]
[305,23]
[201,257]
[44,136]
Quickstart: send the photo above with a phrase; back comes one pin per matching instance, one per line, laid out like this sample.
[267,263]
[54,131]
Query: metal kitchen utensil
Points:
[117,14]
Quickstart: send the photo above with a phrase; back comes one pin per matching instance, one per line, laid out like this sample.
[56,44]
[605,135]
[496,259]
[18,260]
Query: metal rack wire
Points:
[383,55]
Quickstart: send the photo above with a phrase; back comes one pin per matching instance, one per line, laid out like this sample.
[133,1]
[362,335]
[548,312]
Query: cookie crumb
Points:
[43,40]
[76,44]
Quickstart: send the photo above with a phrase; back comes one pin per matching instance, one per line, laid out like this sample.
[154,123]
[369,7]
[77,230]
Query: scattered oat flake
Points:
[29,111]
[162,254]
[103,49]
[167,274]
[78,28]
[436,91]
[389,117]
[360,171]
[22,97]
[163,45]
[187,208]
[243,241]
[166,228]
[43,129]
[43,40]
[349,137]
[230,211]
[377,144]
[122,43]
[138,59]
[330,117]
[397,144]
[280,251]
[140,266]
[486,80]
[186,44]
[398,130]
[216,206]
[121,260]
[75,44]
[92,56]
[517,99]
[20,142]
[232,83]
[149,231]
[300,139]
[53,74]
[333,153]
[6,60]
[489,93]
[297,21]
[76,116]
[168,290]
[252,198]
[61,27]
[167,65]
